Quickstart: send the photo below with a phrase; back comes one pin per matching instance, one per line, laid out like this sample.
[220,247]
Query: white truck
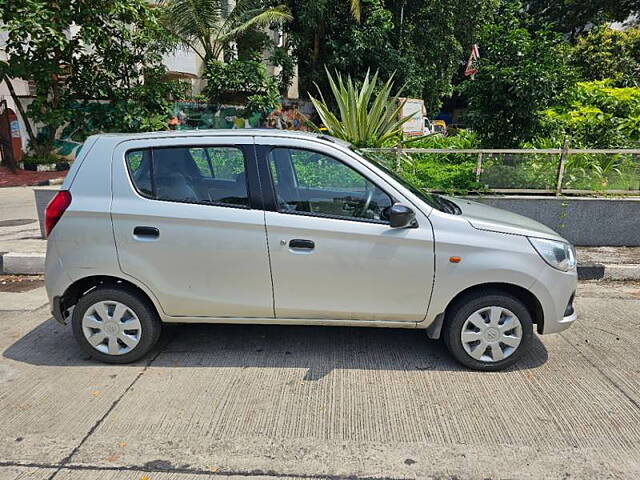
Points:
[418,125]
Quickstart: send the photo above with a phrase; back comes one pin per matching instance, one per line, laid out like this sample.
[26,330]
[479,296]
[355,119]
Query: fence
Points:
[525,171]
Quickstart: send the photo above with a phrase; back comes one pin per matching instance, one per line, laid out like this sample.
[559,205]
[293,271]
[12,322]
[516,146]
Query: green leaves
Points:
[574,17]
[520,73]
[241,82]
[356,9]
[598,116]
[423,42]
[205,27]
[368,116]
[605,53]
[79,52]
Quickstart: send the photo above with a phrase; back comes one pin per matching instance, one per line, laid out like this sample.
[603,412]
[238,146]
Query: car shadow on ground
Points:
[318,349]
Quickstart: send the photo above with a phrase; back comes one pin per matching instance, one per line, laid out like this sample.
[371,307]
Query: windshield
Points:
[436,201]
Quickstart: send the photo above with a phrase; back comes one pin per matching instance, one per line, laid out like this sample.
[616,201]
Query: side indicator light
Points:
[455,259]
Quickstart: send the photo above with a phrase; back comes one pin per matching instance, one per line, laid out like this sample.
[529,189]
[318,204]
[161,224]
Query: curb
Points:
[598,271]
[623,272]
[33,264]
[593,271]
[53,181]
[22,263]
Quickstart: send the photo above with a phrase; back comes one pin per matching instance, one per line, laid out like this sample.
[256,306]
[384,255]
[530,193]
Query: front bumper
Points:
[561,325]
[555,291]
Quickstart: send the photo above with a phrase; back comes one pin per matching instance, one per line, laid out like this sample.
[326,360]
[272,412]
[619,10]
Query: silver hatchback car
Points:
[278,227]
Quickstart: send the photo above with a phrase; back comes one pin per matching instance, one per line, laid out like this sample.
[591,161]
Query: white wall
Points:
[183,61]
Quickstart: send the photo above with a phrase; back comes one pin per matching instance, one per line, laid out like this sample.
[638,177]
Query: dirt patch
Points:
[16,222]
[20,283]
[609,255]
[609,289]
[23,178]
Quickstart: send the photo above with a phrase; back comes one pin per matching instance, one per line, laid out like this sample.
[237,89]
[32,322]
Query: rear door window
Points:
[211,175]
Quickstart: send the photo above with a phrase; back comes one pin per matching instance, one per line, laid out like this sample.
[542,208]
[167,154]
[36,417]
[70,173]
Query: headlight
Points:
[559,255]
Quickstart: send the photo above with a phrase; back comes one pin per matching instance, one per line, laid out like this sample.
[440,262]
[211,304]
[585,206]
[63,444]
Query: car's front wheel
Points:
[488,330]
[115,325]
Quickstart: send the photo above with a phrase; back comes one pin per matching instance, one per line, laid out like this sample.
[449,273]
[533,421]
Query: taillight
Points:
[55,209]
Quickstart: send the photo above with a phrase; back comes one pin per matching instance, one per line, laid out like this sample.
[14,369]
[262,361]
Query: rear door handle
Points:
[146,232]
[302,244]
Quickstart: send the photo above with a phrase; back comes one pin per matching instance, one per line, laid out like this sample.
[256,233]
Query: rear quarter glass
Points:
[84,152]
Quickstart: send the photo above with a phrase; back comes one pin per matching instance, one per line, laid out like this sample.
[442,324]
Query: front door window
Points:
[309,182]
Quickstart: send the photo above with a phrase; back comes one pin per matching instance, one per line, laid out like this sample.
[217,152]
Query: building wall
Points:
[279,39]
[186,65]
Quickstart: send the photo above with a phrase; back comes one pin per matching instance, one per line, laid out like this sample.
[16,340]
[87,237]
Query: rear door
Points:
[333,253]
[188,223]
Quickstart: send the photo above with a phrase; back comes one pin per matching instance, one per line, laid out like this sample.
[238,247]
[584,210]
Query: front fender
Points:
[485,258]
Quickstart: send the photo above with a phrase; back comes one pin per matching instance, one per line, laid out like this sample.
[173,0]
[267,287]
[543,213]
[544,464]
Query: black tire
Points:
[149,321]
[464,308]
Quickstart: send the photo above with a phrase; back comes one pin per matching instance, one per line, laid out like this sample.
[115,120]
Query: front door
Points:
[333,253]
[187,226]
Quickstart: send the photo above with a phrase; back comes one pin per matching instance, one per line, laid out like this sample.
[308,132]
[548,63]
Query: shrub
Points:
[598,116]
[368,115]
[605,53]
[429,173]
[452,172]
[44,159]
[241,81]
[463,139]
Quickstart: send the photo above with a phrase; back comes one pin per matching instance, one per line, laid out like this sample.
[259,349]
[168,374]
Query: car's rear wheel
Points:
[115,325]
[488,330]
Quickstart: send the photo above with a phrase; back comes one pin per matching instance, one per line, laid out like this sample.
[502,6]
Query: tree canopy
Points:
[532,54]
[605,53]
[520,73]
[71,54]
[208,27]
[575,17]
[422,42]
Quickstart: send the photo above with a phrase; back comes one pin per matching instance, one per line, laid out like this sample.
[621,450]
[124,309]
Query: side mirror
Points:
[401,216]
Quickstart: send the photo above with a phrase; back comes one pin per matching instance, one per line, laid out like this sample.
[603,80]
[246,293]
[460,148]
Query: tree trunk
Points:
[317,43]
[44,145]
[16,100]
[316,47]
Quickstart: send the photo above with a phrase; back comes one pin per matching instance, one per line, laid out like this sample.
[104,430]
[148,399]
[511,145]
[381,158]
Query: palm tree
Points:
[206,27]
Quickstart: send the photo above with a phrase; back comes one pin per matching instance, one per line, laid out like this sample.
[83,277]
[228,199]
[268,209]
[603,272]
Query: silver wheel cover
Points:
[111,327]
[491,334]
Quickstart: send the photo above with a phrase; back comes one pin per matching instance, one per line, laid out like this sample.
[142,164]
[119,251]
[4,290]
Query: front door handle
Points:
[302,244]
[146,232]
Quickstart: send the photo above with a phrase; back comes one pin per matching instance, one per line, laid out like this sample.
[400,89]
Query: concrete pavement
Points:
[19,228]
[17,202]
[307,402]
[22,250]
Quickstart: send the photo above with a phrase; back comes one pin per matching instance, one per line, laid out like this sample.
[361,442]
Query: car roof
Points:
[240,132]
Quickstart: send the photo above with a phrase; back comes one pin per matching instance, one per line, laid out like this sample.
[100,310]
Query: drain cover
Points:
[16,222]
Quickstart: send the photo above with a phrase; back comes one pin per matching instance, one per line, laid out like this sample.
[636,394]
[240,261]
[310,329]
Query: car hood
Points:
[484,217]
